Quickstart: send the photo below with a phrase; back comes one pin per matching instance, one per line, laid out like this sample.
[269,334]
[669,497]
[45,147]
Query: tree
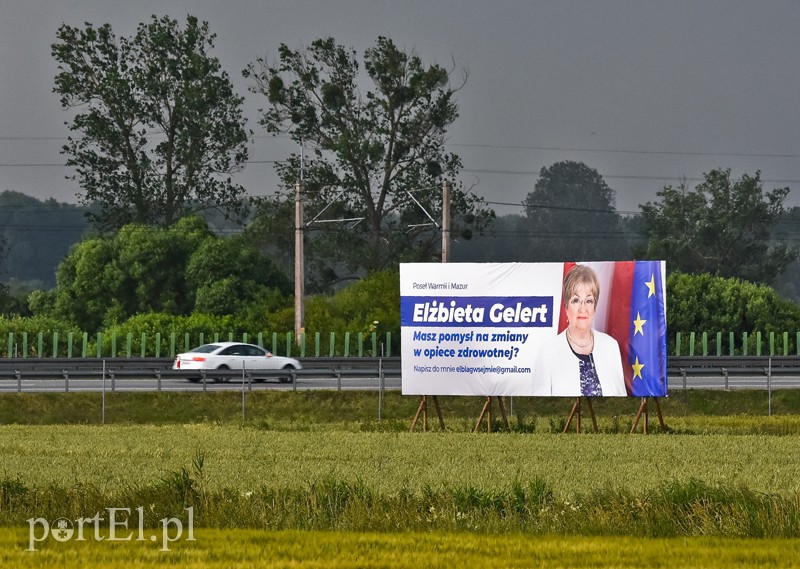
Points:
[174,270]
[9,304]
[376,154]
[369,305]
[720,227]
[787,283]
[228,275]
[39,233]
[708,303]
[107,279]
[499,243]
[3,254]
[160,128]
[571,215]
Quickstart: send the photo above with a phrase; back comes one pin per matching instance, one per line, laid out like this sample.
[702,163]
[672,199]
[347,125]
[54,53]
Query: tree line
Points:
[158,132]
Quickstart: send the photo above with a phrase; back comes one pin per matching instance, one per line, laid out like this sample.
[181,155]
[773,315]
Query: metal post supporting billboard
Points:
[243,396]
[380,386]
[769,388]
[104,392]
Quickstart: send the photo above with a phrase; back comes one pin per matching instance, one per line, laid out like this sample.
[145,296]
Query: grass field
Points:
[686,412]
[230,549]
[245,458]
[316,480]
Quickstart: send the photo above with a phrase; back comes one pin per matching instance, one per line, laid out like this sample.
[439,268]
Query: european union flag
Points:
[647,337]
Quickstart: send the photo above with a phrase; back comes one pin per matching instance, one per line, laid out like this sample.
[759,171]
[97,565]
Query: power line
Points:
[593,234]
[45,228]
[515,147]
[563,208]
[662,178]
[34,138]
[611,212]
[497,234]
[33,164]
[626,151]
[50,164]
[618,176]
[77,209]
[495,171]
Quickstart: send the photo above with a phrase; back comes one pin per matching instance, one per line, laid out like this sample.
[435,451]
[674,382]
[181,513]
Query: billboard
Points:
[502,329]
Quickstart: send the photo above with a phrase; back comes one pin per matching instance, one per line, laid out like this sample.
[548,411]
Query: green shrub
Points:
[25,339]
[705,303]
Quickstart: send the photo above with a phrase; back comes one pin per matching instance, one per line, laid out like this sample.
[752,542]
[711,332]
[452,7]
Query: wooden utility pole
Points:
[299,268]
[445,221]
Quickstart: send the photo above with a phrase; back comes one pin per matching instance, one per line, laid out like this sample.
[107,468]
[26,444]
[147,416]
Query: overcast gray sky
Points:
[648,92]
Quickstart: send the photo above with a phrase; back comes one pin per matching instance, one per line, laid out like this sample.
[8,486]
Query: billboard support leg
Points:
[591,413]
[576,410]
[487,412]
[660,416]
[423,411]
[575,413]
[643,411]
[502,406]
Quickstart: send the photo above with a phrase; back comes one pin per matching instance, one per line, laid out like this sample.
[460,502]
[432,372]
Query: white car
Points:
[234,355]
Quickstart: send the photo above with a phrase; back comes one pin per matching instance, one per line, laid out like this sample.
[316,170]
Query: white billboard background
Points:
[449,352]
[493,357]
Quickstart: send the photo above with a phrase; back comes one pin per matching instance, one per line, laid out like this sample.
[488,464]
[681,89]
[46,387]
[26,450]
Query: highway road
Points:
[391,383]
[178,385]
[348,374]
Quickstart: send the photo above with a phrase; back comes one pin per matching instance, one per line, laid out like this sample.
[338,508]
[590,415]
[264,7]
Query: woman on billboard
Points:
[580,361]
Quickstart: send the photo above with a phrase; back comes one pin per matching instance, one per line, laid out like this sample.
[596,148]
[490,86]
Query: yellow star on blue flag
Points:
[637,369]
[638,325]
[651,286]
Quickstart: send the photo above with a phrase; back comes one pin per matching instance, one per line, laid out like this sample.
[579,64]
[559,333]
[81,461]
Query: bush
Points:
[25,339]
[705,303]
[370,305]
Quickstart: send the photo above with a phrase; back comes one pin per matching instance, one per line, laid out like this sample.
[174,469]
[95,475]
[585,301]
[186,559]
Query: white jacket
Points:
[557,368]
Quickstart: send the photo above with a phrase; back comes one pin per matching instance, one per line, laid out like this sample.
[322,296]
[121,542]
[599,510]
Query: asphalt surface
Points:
[52,385]
[177,385]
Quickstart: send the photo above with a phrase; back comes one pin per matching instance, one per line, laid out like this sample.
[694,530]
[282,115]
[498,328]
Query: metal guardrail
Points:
[137,363]
[159,369]
[675,364]
[679,370]
[728,366]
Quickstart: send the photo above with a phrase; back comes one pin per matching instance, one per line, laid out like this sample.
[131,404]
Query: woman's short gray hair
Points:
[580,274]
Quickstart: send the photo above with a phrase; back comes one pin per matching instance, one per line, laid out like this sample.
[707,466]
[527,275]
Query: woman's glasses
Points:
[576,302]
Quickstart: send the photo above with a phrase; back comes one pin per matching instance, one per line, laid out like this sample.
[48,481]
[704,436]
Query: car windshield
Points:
[206,348]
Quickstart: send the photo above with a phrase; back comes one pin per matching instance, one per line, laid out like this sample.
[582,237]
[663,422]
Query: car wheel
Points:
[221,379]
[286,378]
